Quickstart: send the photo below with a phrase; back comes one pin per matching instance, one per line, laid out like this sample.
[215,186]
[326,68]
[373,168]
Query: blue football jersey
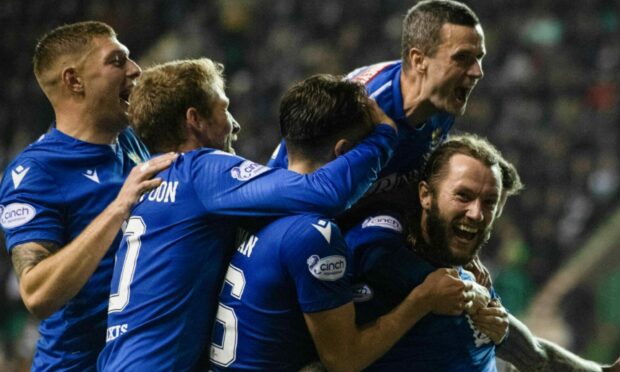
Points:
[382,82]
[293,266]
[170,264]
[385,270]
[51,192]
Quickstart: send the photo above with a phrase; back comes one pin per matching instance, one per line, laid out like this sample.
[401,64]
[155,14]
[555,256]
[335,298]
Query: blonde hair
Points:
[158,103]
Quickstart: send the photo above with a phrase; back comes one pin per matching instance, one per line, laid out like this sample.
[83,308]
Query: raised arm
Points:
[50,275]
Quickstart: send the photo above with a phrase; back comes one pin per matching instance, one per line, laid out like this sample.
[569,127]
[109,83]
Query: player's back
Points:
[274,277]
[166,275]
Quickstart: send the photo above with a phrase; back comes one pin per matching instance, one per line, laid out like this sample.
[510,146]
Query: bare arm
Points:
[357,347]
[529,353]
[50,275]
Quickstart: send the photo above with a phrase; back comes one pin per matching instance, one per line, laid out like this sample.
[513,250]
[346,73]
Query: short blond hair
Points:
[68,39]
[158,103]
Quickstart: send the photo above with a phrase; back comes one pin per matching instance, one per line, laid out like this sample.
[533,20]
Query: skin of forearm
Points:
[375,339]
[51,283]
[528,353]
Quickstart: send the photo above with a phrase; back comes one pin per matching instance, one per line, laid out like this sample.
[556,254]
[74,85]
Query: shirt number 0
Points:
[133,232]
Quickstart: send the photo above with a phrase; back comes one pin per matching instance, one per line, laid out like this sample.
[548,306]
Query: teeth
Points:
[468,229]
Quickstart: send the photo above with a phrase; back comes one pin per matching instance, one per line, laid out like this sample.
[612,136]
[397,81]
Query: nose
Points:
[236,128]
[474,211]
[133,70]
[475,70]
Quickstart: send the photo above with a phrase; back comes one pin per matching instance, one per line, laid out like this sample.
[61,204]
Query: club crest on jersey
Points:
[362,292]
[328,268]
[384,221]
[247,170]
[16,214]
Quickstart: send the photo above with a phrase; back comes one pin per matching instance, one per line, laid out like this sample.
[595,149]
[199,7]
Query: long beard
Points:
[439,251]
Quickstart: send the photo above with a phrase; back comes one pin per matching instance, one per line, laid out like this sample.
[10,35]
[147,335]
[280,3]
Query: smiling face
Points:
[453,70]
[458,213]
[108,76]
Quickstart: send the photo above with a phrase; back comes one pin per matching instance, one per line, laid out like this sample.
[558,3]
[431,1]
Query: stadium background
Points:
[549,101]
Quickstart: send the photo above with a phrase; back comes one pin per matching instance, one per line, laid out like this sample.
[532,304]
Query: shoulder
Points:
[377,71]
[376,227]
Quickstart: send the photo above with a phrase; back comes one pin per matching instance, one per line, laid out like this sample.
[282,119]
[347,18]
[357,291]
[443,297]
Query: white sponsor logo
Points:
[16,214]
[385,221]
[362,292]
[325,228]
[247,170]
[91,174]
[479,337]
[329,268]
[18,175]
[115,331]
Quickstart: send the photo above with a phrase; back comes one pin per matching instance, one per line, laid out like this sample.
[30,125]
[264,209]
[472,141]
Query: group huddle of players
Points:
[198,259]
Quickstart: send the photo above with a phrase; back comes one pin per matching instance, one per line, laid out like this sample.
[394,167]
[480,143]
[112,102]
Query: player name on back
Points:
[164,193]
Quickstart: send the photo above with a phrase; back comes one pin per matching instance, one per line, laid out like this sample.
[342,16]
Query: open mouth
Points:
[462,94]
[465,232]
[124,96]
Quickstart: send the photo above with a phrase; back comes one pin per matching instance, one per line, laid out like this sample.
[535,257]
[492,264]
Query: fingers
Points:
[156,164]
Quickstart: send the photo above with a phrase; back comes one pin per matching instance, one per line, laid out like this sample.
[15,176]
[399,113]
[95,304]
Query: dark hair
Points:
[423,22]
[158,103]
[316,110]
[67,39]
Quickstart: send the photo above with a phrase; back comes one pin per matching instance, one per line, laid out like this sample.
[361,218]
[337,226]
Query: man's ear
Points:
[342,146]
[426,195]
[193,119]
[72,80]
[418,61]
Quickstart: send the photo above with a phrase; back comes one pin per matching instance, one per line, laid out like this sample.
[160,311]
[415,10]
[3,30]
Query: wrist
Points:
[420,299]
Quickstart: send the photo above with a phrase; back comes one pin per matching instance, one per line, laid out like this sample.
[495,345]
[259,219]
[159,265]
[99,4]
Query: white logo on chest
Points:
[91,174]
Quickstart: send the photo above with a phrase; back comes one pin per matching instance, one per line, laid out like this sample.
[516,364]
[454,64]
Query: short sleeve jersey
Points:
[50,193]
[293,266]
[385,270]
[382,81]
[172,259]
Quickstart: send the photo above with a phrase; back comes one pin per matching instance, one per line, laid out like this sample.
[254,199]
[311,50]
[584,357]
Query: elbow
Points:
[38,306]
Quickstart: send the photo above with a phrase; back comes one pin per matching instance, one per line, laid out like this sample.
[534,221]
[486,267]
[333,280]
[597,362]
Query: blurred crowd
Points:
[549,100]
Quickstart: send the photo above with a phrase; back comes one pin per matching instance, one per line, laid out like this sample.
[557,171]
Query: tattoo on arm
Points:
[27,255]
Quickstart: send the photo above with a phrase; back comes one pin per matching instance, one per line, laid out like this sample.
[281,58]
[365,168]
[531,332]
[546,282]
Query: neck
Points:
[85,129]
[303,166]
[416,106]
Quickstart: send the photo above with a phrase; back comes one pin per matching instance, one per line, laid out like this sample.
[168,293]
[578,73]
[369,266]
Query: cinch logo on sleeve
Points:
[247,170]
[329,268]
[16,214]
[385,221]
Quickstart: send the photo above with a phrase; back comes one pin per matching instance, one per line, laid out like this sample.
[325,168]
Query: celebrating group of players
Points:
[198,259]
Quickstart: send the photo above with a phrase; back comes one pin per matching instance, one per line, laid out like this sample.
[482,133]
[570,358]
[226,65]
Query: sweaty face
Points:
[108,76]
[222,128]
[455,68]
[459,215]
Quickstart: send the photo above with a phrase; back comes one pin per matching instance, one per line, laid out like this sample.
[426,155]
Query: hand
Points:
[492,321]
[446,293]
[613,368]
[140,180]
[480,300]
[480,272]
[378,116]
